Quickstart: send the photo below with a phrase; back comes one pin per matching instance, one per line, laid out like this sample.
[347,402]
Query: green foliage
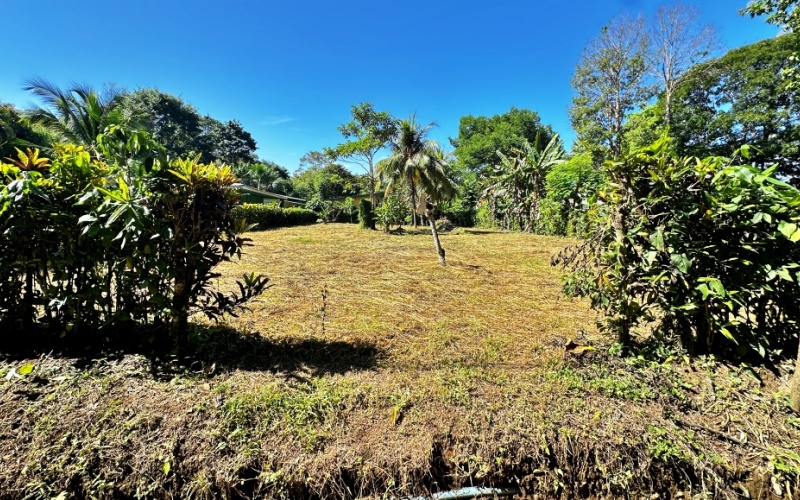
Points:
[783,13]
[485,217]
[169,120]
[15,131]
[480,137]
[226,142]
[574,181]
[182,131]
[270,216]
[706,248]
[568,207]
[329,210]
[741,98]
[366,216]
[89,248]
[419,164]
[264,175]
[325,180]
[369,132]
[645,126]
[391,212]
[517,184]
[77,115]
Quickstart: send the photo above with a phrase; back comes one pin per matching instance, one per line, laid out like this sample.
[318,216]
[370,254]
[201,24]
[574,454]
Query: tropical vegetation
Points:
[671,225]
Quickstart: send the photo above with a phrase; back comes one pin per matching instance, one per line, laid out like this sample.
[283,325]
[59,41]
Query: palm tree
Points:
[421,164]
[78,114]
[418,162]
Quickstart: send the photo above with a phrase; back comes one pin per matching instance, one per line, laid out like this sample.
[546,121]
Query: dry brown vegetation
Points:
[370,370]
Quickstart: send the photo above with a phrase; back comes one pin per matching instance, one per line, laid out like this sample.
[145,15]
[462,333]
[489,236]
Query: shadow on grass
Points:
[229,349]
[211,350]
[426,231]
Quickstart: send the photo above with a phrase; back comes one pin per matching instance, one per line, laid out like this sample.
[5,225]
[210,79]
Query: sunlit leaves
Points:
[706,248]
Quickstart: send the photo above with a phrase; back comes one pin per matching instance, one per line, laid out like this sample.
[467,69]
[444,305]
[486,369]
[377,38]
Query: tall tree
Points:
[678,41]
[320,178]
[183,132]
[609,83]
[226,142]
[421,164]
[78,114]
[173,123]
[413,161]
[368,132]
[480,137]
[741,98]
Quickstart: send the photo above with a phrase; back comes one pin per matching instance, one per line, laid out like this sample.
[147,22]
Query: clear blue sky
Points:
[289,70]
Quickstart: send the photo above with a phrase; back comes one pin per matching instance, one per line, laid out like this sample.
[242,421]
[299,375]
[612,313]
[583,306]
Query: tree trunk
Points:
[619,223]
[794,390]
[372,184]
[667,107]
[435,233]
[180,306]
[29,308]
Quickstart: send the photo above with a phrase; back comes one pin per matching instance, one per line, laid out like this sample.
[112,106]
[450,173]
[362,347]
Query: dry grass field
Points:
[368,370]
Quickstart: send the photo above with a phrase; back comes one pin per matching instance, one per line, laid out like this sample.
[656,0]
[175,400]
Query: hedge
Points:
[272,216]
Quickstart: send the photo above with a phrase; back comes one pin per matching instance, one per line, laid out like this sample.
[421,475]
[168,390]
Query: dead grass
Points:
[373,371]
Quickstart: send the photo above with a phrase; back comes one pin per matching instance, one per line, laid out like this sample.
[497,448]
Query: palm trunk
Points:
[413,202]
[435,233]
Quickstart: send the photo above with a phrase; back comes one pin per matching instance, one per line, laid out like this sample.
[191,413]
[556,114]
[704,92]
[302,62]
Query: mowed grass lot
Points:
[497,303]
[368,370]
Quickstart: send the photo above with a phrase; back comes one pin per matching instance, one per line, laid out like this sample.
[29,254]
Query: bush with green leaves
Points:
[272,216]
[568,207]
[706,248]
[366,216]
[90,248]
[392,212]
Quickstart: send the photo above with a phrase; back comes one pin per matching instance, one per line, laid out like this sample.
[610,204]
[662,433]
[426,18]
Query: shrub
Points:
[461,214]
[366,216]
[391,212]
[704,247]
[89,248]
[272,216]
[552,218]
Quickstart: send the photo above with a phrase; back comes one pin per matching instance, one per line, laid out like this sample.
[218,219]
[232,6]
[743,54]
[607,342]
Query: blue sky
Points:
[289,70]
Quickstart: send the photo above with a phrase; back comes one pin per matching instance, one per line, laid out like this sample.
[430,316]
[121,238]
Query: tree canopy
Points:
[78,114]
[741,99]
[325,180]
[481,137]
[368,132]
[180,128]
[418,163]
[609,82]
[783,13]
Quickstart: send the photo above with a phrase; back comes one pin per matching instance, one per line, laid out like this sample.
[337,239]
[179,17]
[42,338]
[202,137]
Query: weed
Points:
[600,379]
[302,412]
